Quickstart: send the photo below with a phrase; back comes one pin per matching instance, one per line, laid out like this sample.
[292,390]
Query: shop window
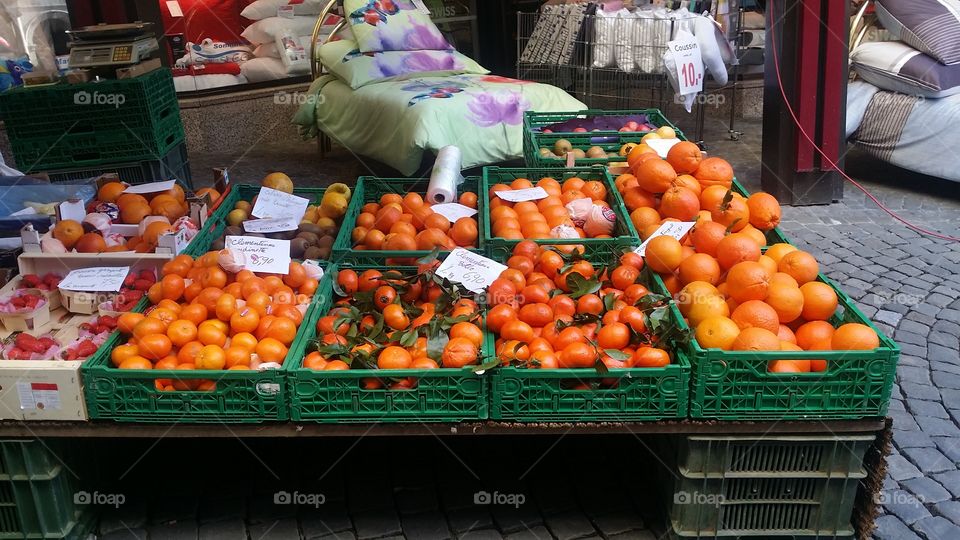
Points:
[32,37]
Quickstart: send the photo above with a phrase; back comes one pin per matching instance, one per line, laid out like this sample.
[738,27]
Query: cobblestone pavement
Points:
[907,283]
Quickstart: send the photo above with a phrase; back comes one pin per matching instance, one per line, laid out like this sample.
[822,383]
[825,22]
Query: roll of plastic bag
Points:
[563,231]
[605,27]
[601,220]
[292,53]
[626,34]
[579,210]
[445,176]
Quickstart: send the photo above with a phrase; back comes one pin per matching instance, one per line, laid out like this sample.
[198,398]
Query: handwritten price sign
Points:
[261,254]
[475,272]
[97,279]
[676,229]
[272,203]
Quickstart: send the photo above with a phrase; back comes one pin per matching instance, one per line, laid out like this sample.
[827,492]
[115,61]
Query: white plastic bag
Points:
[670,64]
[604,27]
[292,53]
[627,33]
[706,32]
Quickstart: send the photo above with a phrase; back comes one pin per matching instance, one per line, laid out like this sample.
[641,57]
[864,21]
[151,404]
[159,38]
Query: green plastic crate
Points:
[625,235]
[796,456]
[534,138]
[38,495]
[130,395]
[174,165]
[370,189]
[441,395]
[76,126]
[767,507]
[735,385]
[217,222]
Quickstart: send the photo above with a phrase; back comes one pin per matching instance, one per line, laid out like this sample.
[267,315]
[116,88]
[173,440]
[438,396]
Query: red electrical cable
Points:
[783,93]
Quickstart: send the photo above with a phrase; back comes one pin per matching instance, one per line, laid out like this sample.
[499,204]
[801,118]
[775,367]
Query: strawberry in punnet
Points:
[46,342]
[30,281]
[142,284]
[108,320]
[17,353]
[86,348]
[129,281]
[148,275]
[52,280]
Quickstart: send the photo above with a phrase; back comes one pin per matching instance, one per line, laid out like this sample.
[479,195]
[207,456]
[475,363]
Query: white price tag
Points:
[475,272]
[520,195]
[72,209]
[662,146]
[96,279]
[676,229]
[270,225]
[453,211]
[262,254]
[152,187]
[273,203]
[41,396]
[421,7]
[285,12]
[174,7]
[686,54]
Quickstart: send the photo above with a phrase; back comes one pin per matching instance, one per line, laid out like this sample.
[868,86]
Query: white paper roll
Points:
[445,176]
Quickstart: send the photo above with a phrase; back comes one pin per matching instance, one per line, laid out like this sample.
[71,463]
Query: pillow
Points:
[392,25]
[218,20]
[357,69]
[895,66]
[262,9]
[264,31]
[268,50]
[930,26]
[263,69]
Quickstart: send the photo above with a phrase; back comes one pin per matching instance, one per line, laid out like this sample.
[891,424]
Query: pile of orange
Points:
[407,223]
[535,219]
[384,320]
[687,186]
[205,318]
[559,311]
[736,296]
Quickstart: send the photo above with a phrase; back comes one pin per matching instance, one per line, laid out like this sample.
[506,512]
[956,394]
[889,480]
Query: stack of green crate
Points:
[769,487]
[39,495]
[79,126]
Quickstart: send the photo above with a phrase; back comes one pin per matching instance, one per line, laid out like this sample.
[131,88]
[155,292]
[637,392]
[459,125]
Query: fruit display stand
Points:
[624,234]
[609,140]
[441,395]
[369,189]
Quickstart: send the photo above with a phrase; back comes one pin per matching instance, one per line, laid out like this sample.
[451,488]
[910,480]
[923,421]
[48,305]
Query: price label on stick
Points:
[676,229]
[152,187]
[269,225]
[686,54]
[261,254]
[96,279]
[520,195]
[475,272]
[453,211]
[272,203]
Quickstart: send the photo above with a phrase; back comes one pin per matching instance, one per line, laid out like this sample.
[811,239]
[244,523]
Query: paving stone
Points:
[921,318]
[896,405]
[283,529]
[467,519]
[427,525]
[124,534]
[949,480]
[889,484]
[944,366]
[949,510]
[376,523]
[329,518]
[177,530]
[536,533]
[938,426]
[910,360]
[229,529]
[903,421]
[569,525]
[949,446]
[912,374]
[900,469]
[942,338]
[920,407]
[920,391]
[510,518]
[938,300]
[946,380]
[635,535]
[618,522]
[905,506]
[412,501]
[889,317]
[482,534]
[927,490]
[913,439]
[937,528]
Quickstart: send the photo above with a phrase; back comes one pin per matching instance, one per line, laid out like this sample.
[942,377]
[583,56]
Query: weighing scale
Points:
[107,45]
